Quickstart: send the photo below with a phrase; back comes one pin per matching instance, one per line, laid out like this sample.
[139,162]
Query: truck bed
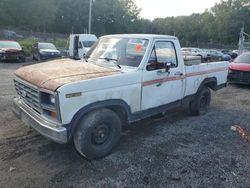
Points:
[195,74]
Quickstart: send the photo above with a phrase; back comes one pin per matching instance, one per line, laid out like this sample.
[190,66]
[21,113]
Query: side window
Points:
[162,54]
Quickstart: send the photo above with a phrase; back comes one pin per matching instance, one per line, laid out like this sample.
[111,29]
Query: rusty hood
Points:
[53,74]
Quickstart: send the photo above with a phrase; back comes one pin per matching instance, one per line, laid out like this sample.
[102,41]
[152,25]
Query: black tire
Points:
[21,59]
[201,57]
[98,133]
[201,103]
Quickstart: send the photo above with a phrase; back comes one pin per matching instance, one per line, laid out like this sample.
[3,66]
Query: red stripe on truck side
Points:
[173,78]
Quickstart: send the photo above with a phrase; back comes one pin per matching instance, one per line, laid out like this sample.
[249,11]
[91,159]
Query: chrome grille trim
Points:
[29,94]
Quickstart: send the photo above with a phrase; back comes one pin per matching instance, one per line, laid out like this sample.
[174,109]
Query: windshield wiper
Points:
[111,60]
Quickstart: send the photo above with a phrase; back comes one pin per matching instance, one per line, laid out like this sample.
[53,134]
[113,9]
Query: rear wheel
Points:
[98,133]
[201,103]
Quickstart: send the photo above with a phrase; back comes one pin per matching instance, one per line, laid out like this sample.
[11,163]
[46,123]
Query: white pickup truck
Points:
[124,78]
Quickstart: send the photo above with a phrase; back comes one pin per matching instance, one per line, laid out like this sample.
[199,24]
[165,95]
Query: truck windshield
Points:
[124,51]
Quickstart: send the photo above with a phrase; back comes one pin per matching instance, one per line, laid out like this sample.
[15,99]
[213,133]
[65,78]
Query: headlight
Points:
[42,53]
[2,53]
[48,99]
[49,105]
[52,99]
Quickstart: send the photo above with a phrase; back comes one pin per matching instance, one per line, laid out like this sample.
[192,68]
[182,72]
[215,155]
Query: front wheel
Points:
[200,105]
[98,133]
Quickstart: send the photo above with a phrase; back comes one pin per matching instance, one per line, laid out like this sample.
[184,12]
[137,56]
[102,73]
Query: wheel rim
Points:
[100,134]
[203,102]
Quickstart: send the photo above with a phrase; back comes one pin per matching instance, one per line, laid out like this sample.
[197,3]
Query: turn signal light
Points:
[53,114]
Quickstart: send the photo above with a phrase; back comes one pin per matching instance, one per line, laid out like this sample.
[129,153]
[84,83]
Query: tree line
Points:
[221,23]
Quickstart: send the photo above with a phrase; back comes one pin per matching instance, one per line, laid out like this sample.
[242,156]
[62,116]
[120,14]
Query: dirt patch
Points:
[176,150]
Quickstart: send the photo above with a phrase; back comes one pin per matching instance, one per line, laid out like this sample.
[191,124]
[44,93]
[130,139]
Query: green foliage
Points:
[27,45]
[60,43]
[220,24]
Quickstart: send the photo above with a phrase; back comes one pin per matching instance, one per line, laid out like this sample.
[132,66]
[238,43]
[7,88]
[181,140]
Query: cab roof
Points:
[142,36]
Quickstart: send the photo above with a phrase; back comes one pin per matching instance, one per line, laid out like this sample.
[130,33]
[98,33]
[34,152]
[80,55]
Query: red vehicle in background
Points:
[11,51]
[239,70]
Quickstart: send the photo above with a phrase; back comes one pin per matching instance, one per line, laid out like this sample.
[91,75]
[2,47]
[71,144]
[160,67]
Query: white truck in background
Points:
[123,79]
[79,44]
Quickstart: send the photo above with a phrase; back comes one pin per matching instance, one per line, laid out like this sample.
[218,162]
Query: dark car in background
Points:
[43,51]
[239,70]
[11,51]
[229,52]
[216,55]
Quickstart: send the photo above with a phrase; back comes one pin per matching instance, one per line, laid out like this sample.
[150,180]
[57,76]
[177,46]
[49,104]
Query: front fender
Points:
[94,106]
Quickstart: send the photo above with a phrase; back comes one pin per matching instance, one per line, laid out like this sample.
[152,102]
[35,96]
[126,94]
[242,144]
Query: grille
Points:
[29,94]
[240,75]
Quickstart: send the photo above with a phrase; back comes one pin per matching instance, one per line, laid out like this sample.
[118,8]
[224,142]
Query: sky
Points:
[167,8]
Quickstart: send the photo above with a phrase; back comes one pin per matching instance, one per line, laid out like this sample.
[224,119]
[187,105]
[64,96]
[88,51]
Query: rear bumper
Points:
[53,131]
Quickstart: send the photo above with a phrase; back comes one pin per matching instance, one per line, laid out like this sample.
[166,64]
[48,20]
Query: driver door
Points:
[163,77]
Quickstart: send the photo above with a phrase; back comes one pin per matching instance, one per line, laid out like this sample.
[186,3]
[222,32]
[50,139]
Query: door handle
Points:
[178,74]
[160,72]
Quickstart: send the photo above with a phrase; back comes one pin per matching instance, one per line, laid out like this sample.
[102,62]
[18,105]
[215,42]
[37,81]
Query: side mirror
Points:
[168,66]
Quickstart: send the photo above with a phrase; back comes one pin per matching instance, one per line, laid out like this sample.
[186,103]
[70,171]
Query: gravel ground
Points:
[177,150]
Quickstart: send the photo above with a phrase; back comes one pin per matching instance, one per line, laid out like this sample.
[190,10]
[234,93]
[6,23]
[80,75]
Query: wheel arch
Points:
[209,82]
[120,107]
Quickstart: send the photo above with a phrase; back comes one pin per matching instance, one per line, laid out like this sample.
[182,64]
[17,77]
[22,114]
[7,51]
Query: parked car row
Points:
[12,51]
[239,70]
[210,54]
[79,44]
[195,52]
[216,55]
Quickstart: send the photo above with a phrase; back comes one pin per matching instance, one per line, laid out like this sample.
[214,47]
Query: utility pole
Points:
[90,14]
[241,40]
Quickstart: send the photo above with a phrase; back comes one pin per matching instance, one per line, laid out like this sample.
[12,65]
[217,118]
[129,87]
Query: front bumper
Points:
[53,131]
[9,57]
[49,56]
[239,78]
